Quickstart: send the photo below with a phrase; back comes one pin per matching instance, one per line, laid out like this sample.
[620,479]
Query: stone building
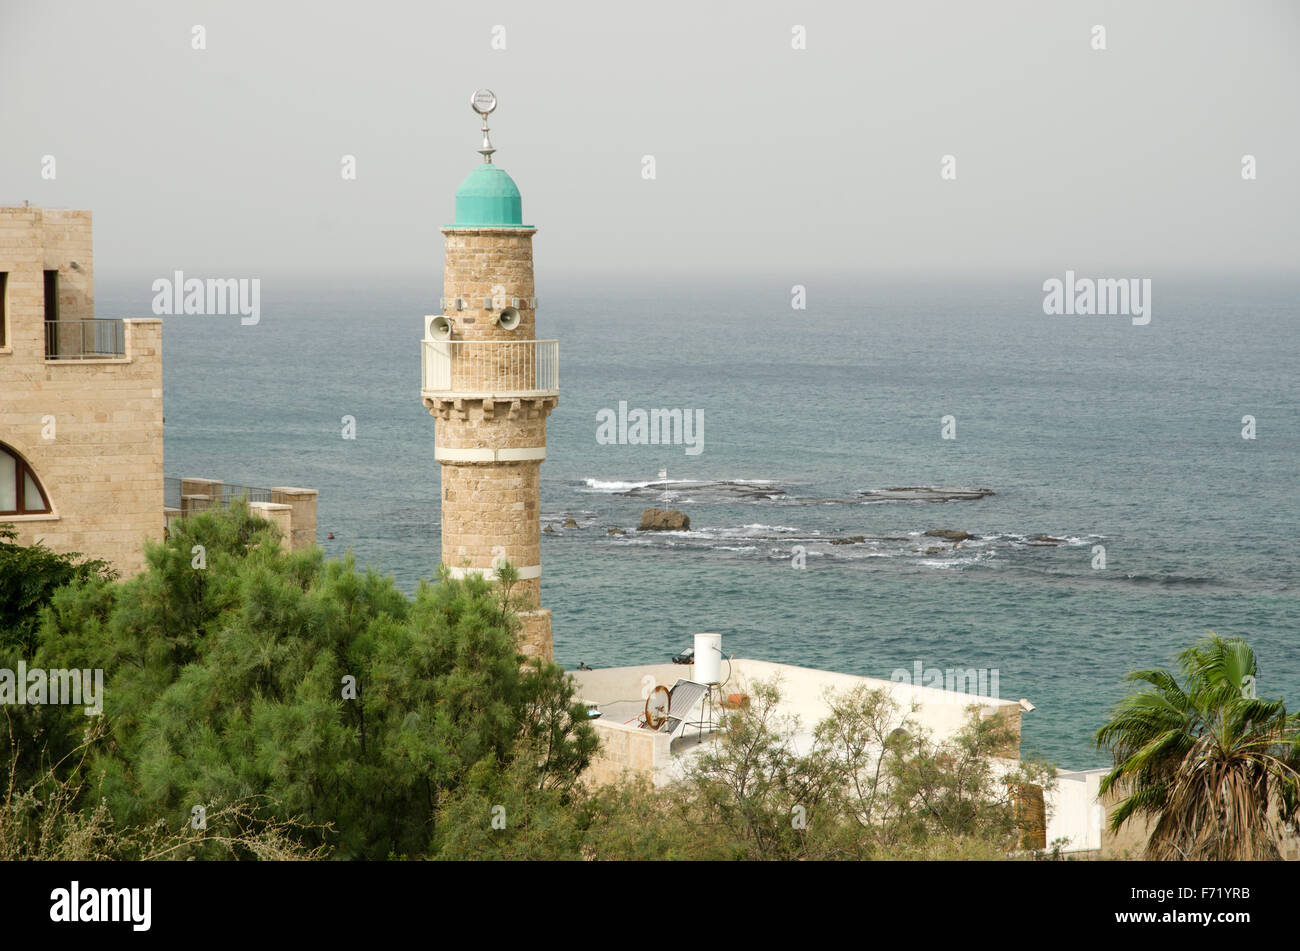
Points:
[491,386]
[81,409]
[81,423]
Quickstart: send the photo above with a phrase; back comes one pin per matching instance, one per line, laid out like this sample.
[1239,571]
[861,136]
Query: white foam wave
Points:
[947,563]
[618,485]
[601,485]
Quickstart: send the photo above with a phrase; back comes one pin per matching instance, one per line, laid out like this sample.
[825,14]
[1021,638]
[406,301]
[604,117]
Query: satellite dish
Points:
[656,707]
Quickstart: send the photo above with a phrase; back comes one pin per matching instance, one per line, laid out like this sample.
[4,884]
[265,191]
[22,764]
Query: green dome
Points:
[488,198]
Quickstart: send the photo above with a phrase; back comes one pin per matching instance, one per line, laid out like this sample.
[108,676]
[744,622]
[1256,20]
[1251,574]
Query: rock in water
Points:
[956,536]
[663,520]
[615,531]
[548,529]
[925,493]
[849,540]
[570,523]
[709,491]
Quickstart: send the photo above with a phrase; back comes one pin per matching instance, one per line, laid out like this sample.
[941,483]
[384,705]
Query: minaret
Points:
[491,384]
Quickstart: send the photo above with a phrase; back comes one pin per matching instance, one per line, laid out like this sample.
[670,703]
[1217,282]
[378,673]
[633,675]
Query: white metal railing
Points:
[490,366]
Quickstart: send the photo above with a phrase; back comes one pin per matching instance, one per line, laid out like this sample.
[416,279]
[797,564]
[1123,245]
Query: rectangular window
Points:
[8,483]
[51,313]
[51,295]
[4,315]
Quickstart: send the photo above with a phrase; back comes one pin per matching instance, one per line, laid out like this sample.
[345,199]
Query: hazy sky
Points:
[768,159]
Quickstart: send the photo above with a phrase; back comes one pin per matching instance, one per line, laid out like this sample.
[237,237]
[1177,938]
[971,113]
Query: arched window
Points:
[20,490]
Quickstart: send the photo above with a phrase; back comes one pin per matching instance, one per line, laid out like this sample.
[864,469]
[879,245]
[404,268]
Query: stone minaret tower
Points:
[491,385]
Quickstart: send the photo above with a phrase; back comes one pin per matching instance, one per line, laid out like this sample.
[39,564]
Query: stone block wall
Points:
[628,749]
[488,263]
[279,515]
[302,502]
[91,429]
[103,470]
[491,506]
[535,639]
[489,443]
[201,488]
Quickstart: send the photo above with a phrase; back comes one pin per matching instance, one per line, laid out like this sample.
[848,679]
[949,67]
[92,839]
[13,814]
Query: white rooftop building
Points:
[629,743]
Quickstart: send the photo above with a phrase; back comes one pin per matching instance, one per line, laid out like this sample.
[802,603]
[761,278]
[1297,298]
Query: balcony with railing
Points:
[496,368]
[92,338]
[210,495]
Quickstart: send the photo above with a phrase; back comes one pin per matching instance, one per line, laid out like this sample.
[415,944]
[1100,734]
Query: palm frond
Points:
[1218,767]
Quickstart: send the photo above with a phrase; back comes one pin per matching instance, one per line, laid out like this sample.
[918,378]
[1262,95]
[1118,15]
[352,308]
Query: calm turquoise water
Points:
[1088,429]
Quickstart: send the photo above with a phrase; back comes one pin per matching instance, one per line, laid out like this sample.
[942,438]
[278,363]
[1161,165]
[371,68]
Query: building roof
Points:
[489,198]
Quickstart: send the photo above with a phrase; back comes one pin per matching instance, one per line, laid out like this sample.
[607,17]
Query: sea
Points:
[1129,517]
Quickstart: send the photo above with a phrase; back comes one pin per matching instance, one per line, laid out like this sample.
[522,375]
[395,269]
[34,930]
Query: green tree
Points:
[513,811]
[317,692]
[953,792]
[633,820]
[51,819]
[29,576]
[1212,764]
[755,785]
[866,783]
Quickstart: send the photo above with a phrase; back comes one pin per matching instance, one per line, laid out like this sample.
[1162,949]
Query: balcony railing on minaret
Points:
[491,367]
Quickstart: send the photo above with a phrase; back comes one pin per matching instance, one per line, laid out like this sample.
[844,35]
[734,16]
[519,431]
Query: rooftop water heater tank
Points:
[708,658]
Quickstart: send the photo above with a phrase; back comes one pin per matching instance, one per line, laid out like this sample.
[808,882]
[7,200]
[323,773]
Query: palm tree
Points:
[1215,766]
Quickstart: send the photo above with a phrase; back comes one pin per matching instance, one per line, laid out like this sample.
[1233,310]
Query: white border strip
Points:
[530,454]
[525,573]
